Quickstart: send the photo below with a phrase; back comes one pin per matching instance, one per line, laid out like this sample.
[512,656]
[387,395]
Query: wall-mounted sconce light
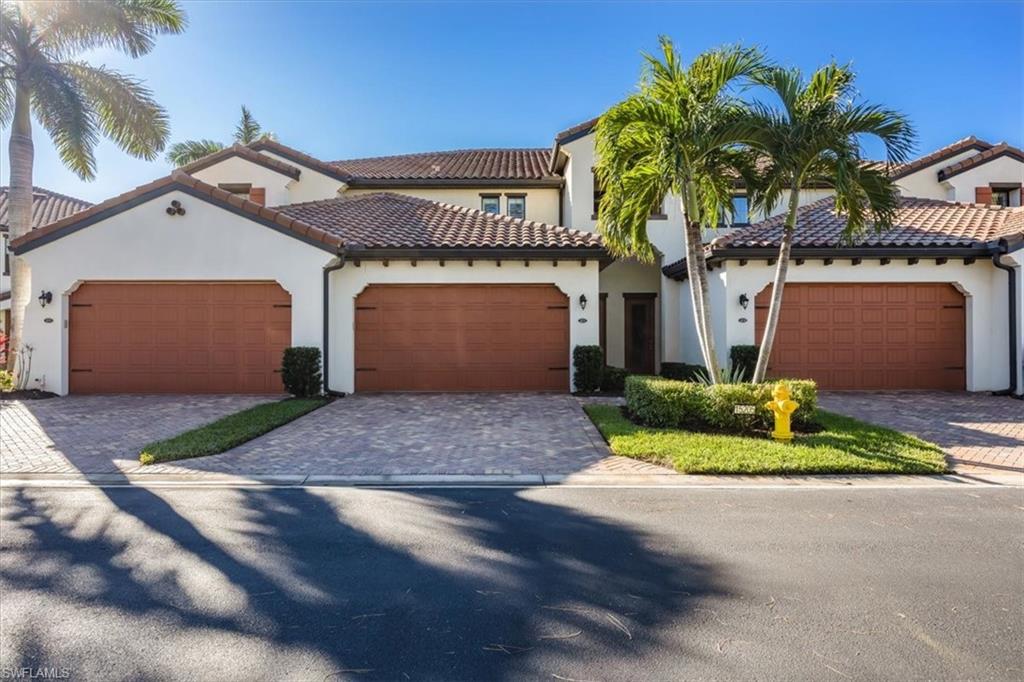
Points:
[45,297]
[583,301]
[744,301]
[175,208]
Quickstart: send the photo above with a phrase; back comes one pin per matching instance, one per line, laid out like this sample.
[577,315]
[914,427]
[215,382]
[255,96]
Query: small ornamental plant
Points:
[300,371]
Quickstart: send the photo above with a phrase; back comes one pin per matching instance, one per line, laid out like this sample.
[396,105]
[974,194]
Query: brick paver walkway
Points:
[357,435]
[978,431]
[99,433]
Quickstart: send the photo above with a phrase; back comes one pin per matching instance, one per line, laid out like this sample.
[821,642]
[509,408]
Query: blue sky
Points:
[343,80]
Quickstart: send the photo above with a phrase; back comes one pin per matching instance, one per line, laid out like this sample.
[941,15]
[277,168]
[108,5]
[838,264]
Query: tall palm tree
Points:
[679,134]
[816,137]
[76,103]
[248,130]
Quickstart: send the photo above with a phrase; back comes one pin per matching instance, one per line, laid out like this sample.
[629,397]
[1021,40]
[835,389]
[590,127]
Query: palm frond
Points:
[124,109]
[183,153]
[64,111]
[891,127]
[6,101]
[130,26]
[248,129]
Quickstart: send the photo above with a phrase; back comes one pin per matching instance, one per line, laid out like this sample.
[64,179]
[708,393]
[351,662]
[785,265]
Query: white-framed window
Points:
[490,203]
[517,206]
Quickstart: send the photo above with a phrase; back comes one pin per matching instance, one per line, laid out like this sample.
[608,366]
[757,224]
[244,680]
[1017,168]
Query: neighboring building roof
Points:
[921,222]
[47,207]
[246,153]
[939,155]
[385,220]
[926,225]
[1000,150]
[178,180]
[462,166]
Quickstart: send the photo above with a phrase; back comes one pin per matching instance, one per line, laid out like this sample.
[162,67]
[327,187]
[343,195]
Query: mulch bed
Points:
[27,394]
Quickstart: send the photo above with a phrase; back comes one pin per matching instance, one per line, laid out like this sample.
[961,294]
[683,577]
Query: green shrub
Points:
[6,381]
[613,379]
[654,401]
[680,371]
[745,357]
[588,362]
[300,371]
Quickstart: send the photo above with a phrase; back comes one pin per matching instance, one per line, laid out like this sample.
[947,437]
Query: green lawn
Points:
[844,446]
[230,431]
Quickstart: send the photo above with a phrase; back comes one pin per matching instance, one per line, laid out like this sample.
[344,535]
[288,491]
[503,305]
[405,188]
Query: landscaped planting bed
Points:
[230,431]
[694,428]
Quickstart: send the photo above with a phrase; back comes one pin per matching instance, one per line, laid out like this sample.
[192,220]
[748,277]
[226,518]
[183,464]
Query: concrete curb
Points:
[843,482]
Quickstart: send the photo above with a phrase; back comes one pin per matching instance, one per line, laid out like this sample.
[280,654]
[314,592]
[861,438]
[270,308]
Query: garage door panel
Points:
[177,337]
[462,338]
[880,336]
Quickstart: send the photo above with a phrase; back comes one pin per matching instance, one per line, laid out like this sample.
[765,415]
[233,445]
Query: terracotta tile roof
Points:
[246,153]
[921,222]
[578,130]
[385,220]
[1001,149]
[178,180]
[950,150]
[300,158]
[47,207]
[514,165]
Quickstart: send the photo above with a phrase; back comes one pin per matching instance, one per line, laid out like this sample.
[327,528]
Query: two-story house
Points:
[480,270]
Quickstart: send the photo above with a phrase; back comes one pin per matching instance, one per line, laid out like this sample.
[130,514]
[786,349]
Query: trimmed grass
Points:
[230,431]
[844,446]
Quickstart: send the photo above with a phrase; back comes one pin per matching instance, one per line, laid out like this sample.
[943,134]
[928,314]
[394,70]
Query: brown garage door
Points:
[178,337]
[869,336]
[462,338]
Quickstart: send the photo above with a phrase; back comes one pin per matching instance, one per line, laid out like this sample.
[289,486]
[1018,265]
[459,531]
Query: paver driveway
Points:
[978,431]
[357,435]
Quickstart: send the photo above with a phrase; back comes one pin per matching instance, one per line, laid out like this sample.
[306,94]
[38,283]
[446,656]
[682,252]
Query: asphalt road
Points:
[554,584]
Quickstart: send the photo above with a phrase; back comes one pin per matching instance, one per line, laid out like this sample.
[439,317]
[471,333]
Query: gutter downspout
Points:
[1011,278]
[328,269]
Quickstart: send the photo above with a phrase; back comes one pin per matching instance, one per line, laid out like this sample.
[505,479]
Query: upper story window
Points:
[1006,195]
[740,212]
[517,206]
[598,193]
[490,203]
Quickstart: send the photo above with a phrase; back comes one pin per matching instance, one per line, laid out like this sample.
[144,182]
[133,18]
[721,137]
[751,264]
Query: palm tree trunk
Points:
[20,214]
[697,272]
[768,338]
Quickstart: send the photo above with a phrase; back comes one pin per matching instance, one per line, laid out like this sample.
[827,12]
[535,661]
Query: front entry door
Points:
[639,333]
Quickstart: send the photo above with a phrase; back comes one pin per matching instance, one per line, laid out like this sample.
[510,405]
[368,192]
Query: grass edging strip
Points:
[230,431]
[844,446]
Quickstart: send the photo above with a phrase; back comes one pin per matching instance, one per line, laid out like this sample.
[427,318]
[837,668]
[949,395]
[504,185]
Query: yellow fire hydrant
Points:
[783,408]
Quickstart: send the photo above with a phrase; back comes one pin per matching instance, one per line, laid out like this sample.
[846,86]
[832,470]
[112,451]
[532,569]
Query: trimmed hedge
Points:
[613,379]
[744,356]
[300,371]
[681,371]
[588,362]
[655,401]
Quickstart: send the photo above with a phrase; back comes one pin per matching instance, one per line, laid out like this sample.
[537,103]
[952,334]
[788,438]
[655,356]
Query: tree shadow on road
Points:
[450,584]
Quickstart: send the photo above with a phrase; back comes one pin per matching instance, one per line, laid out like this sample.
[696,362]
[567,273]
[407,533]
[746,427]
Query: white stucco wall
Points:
[145,244]
[237,169]
[986,298]
[1002,170]
[629,277]
[312,185]
[347,283]
[541,202]
[924,182]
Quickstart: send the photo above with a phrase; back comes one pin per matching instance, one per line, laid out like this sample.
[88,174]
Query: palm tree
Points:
[74,102]
[679,134]
[815,137]
[246,132]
